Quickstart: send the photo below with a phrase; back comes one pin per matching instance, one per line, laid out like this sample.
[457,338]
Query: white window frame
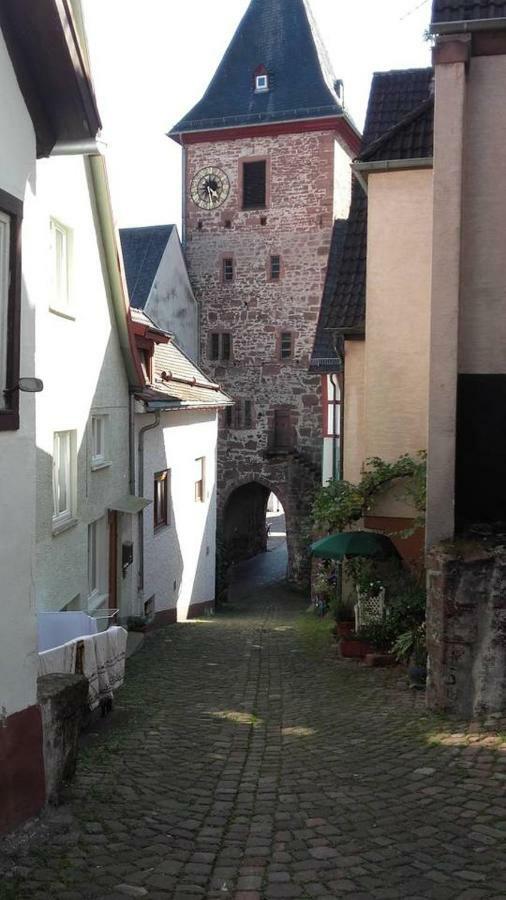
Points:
[99,429]
[200,471]
[63,464]
[5,269]
[261,83]
[97,563]
[61,285]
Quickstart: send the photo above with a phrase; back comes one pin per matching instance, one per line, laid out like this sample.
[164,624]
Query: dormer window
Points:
[261,80]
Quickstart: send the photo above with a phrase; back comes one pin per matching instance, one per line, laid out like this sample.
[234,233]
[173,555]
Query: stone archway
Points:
[243,519]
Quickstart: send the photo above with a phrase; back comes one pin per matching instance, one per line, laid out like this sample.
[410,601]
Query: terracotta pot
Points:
[380,660]
[345,629]
[355,649]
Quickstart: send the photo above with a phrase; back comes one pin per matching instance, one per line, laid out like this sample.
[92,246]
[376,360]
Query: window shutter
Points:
[226,345]
[215,346]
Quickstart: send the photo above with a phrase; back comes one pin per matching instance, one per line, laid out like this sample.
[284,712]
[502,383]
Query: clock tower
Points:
[266,162]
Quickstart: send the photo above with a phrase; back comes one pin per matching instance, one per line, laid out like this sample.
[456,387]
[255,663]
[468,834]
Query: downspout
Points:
[335,385]
[338,343]
[140,450]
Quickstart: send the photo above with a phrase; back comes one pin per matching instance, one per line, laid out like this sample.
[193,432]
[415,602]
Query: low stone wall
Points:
[466,630]
[62,700]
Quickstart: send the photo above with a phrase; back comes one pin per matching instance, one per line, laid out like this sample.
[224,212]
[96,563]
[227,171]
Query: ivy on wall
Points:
[340,503]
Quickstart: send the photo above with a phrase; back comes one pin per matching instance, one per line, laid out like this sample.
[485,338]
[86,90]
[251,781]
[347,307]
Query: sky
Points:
[153,59]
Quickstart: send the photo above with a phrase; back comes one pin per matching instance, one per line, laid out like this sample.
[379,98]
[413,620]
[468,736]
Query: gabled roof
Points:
[394,96]
[324,358]
[51,69]
[412,138]
[467,10]
[178,383]
[282,36]
[143,249]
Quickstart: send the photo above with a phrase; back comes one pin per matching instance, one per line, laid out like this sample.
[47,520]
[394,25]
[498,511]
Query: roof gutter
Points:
[468,25]
[167,377]
[363,169]
[91,147]
[353,332]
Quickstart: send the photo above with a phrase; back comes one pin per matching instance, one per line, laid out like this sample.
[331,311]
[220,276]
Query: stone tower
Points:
[266,163]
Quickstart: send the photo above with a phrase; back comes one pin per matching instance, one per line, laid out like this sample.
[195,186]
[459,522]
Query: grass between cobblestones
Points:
[245,760]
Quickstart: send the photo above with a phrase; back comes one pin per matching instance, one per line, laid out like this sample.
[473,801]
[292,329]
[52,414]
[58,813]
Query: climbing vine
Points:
[340,503]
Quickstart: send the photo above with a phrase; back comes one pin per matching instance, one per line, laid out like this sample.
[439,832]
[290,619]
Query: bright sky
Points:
[153,59]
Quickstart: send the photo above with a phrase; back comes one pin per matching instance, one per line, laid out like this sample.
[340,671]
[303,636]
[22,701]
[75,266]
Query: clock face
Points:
[210,188]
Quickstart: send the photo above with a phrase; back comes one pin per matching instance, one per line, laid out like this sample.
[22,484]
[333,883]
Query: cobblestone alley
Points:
[244,760]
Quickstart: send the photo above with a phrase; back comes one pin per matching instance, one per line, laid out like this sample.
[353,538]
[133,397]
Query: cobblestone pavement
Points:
[244,760]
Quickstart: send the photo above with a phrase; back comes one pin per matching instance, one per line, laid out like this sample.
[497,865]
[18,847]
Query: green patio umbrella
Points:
[354,543]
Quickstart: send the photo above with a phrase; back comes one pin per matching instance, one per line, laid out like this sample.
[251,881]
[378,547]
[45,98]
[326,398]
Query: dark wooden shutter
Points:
[215,346]
[226,345]
[254,185]
[283,431]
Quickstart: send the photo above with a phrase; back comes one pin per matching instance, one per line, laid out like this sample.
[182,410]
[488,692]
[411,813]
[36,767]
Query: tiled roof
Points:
[467,10]
[394,95]
[324,358]
[143,249]
[412,138]
[193,390]
[280,35]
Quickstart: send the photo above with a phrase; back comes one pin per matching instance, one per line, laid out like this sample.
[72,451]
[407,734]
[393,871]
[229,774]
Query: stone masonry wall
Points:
[307,180]
[466,631]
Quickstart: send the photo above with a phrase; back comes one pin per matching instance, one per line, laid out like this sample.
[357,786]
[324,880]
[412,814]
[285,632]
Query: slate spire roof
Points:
[444,11]
[399,125]
[282,36]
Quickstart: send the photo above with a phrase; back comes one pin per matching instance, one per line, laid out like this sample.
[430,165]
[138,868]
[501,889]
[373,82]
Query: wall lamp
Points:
[27,386]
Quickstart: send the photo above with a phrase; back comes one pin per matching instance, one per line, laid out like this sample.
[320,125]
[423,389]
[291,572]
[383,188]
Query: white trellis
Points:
[369,610]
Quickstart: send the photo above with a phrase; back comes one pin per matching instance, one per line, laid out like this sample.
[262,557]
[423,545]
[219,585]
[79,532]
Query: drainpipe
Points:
[335,385]
[140,450]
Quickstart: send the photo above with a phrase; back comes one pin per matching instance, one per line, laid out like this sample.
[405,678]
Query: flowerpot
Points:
[345,629]
[354,649]
[380,660]
[417,676]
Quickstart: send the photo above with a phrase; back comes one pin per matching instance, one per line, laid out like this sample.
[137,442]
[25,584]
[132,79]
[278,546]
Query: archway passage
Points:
[254,534]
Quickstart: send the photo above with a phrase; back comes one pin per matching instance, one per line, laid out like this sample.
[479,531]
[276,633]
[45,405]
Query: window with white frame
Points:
[200,479]
[61,250]
[63,472]
[5,243]
[97,559]
[98,440]
[261,83]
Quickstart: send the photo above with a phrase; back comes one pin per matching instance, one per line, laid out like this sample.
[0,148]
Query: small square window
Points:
[286,345]
[228,269]
[61,246]
[98,440]
[200,480]
[161,505]
[275,268]
[262,83]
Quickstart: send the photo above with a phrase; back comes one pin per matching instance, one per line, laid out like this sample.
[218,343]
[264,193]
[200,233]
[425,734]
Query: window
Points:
[11,214]
[146,364]
[97,560]
[242,416]
[61,255]
[98,440]
[161,499]
[221,346]
[275,268]
[228,269]
[254,190]
[282,435]
[333,423]
[248,414]
[261,83]
[63,465]
[286,345]
[199,480]
[229,416]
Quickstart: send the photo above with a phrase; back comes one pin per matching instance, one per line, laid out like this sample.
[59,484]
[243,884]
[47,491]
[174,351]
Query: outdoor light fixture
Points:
[27,386]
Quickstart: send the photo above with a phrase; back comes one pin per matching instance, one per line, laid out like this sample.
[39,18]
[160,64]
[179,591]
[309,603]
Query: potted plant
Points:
[345,619]
[411,647]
